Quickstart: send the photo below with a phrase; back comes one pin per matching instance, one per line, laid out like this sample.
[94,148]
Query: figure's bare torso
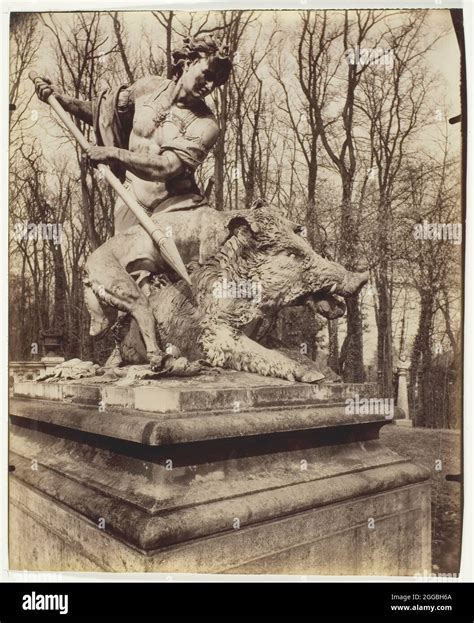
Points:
[147,137]
[157,122]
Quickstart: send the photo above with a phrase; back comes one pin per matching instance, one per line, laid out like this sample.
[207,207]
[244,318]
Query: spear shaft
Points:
[166,245]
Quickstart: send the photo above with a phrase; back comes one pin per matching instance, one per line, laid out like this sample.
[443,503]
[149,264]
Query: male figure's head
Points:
[201,64]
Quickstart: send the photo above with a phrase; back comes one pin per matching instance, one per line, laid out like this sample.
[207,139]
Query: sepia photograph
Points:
[235,292]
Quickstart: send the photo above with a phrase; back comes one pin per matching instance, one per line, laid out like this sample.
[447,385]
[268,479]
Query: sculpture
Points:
[245,266]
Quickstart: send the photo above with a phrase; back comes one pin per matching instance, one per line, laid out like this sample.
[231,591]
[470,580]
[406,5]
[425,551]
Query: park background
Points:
[359,154]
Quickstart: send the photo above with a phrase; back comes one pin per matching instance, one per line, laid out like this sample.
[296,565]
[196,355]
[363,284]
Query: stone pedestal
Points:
[25,370]
[402,394]
[229,473]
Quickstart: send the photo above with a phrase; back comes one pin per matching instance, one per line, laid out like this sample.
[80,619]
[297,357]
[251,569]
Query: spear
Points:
[166,245]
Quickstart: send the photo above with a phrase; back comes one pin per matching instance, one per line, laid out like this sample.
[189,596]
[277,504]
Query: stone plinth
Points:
[229,473]
[25,370]
[402,394]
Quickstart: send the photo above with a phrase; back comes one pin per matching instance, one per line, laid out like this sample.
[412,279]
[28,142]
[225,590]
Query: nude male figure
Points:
[172,130]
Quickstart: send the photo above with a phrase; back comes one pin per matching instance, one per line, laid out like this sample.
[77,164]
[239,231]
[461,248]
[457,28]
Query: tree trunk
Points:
[333,345]
[60,319]
[314,235]
[384,332]
[421,363]
[169,37]
[352,352]
[353,356]
[219,152]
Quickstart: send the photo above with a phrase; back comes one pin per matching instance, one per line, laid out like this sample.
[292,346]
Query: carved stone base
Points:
[220,474]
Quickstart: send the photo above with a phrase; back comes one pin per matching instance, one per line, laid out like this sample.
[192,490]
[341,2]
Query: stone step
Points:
[176,428]
[212,508]
[228,391]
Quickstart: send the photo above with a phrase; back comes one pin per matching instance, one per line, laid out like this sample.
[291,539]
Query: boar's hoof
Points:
[309,376]
[156,361]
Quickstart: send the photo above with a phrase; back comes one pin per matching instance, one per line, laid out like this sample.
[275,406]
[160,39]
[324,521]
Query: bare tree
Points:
[165,19]
[121,39]
[251,125]
[80,51]
[233,25]
[393,100]
[431,267]
[25,42]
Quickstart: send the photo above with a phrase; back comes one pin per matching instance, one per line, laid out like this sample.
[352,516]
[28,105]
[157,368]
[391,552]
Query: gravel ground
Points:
[440,452]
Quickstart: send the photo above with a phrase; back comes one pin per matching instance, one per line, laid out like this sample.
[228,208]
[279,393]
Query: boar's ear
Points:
[258,203]
[241,221]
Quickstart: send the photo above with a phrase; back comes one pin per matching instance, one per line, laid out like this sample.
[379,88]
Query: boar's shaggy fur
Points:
[266,260]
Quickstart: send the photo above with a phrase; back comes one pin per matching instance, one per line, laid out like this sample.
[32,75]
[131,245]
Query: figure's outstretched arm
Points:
[79,108]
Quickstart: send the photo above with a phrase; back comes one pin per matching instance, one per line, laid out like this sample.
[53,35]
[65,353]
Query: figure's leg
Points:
[143,314]
[119,290]
[123,216]
[115,359]
[99,321]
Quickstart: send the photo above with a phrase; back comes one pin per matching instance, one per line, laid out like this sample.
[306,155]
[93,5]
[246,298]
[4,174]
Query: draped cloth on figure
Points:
[112,126]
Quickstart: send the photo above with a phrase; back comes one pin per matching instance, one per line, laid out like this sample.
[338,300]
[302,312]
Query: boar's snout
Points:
[353,283]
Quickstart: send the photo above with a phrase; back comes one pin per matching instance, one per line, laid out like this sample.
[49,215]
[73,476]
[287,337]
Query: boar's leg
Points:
[226,348]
